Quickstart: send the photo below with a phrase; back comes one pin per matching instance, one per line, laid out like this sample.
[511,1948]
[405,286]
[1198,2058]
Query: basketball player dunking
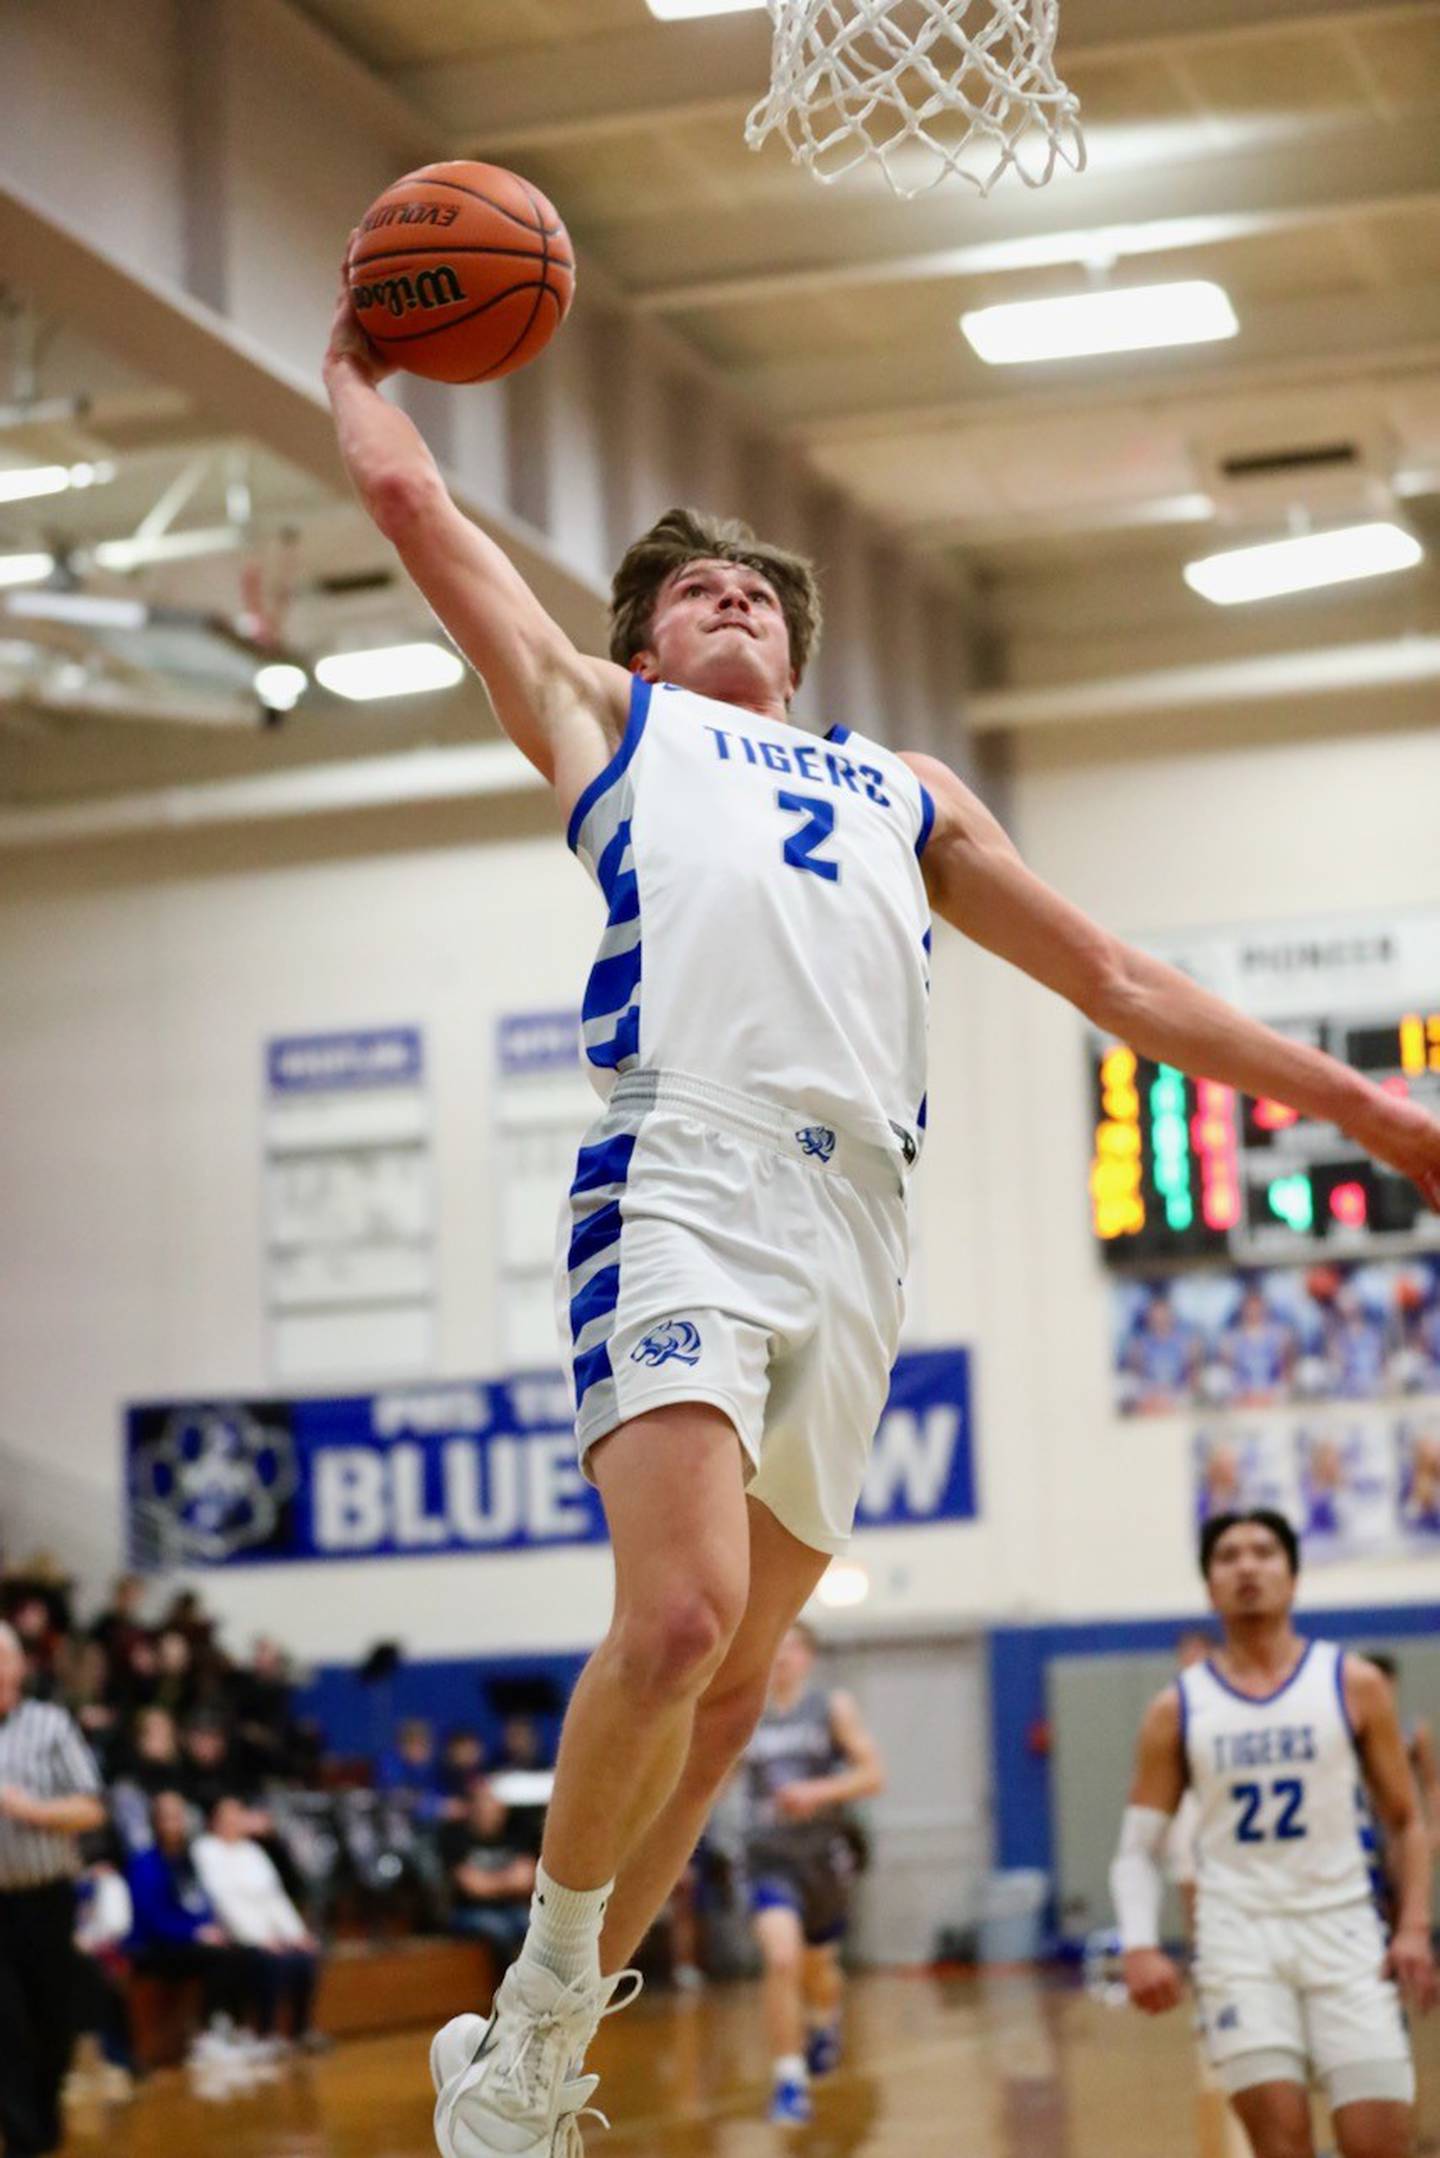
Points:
[1280,1740]
[731,1272]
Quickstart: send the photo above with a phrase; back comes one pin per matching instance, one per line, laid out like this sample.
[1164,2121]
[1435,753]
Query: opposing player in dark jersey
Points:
[732,1268]
[809,1757]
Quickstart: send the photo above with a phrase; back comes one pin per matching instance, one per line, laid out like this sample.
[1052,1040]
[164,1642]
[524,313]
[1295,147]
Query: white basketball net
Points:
[925,87]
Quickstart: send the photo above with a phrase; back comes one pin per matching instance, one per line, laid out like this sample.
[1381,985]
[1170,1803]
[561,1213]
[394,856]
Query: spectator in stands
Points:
[410,1770]
[249,1899]
[264,1724]
[41,1635]
[208,1768]
[491,1874]
[89,1699]
[522,1744]
[177,1933]
[462,1758]
[119,1626]
[175,1673]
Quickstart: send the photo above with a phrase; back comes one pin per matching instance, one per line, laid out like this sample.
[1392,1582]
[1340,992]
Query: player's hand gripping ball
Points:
[460,272]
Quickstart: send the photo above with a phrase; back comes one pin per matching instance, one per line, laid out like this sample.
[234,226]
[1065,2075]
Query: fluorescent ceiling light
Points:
[843,1583]
[91,610]
[1303,564]
[1133,319]
[25,568]
[24,483]
[390,670]
[684,10]
[280,686]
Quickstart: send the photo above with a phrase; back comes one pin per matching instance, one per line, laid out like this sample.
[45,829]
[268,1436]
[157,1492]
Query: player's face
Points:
[1250,1574]
[718,628]
[793,1661]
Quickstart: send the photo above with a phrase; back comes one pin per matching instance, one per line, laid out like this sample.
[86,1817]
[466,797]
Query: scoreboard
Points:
[1186,1170]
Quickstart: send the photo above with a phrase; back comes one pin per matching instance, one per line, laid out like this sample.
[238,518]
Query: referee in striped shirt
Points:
[49,1796]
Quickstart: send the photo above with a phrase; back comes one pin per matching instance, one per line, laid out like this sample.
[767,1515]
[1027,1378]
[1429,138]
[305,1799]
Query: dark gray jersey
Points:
[788,1745]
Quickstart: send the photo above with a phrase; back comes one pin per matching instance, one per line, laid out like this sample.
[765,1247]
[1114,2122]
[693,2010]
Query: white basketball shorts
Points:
[1308,1986]
[717,1248]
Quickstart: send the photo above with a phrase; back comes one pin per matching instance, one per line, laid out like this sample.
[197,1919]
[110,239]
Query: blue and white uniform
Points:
[1289,1942]
[756,1016]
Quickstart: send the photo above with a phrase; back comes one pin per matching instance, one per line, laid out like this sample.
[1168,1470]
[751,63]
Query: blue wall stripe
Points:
[607,1162]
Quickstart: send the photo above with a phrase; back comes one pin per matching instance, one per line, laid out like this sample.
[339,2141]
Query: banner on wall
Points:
[1358,1481]
[1339,1332]
[478,1466]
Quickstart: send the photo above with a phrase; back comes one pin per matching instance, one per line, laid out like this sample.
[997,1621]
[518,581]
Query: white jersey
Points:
[768,925]
[1278,1785]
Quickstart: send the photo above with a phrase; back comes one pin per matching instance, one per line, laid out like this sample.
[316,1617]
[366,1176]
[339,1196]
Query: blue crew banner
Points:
[487,1465]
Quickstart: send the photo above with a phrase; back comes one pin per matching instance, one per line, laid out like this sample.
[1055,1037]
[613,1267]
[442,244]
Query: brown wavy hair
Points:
[685,535]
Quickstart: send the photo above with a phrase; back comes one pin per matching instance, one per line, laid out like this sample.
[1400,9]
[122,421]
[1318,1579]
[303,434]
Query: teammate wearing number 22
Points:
[735,1242]
[1292,1749]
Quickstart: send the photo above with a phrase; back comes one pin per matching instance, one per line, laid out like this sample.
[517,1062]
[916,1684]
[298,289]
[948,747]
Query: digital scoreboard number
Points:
[1190,1170]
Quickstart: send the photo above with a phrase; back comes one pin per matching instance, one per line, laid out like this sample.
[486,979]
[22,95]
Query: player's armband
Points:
[1135,1883]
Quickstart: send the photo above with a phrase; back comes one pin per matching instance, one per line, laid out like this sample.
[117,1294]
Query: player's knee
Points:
[672,1646]
[784,1957]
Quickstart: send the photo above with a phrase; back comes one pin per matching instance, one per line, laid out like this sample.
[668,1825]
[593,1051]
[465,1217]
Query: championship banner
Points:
[487,1465]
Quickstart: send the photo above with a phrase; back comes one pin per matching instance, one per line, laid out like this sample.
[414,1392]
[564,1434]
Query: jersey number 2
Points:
[801,847]
[1287,1827]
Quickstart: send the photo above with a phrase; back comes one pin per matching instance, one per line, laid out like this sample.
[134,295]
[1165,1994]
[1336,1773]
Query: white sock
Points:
[790,2068]
[564,1935]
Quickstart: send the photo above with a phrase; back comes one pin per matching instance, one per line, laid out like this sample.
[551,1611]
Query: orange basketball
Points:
[461,272]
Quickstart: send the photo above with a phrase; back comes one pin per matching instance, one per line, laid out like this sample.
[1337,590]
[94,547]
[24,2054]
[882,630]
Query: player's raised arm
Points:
[1136,1883]
[1370,1705]
[978,883]
[563,709]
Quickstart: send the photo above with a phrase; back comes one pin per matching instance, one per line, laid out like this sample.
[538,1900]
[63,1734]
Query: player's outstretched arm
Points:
[564,710]
[979,884]
[1136,1883]
[1370,1705]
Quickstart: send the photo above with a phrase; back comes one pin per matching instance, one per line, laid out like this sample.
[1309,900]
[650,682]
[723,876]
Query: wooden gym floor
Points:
[1003,2065]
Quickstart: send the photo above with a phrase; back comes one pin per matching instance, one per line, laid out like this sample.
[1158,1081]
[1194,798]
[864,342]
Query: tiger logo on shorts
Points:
[677,1341]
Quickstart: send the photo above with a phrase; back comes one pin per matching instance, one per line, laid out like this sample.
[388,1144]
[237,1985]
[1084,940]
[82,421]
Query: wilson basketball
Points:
[461,272]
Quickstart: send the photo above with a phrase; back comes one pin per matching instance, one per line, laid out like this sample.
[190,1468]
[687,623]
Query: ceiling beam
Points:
[416,775]
[1281,343]
[664,74]
[1186,201]
[1331,670]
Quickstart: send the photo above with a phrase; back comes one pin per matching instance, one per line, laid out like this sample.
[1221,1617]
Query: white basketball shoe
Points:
[513,2087]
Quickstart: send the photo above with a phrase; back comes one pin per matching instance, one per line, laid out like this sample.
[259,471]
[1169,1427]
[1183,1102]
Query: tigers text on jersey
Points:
[1279,1788]
[768,925]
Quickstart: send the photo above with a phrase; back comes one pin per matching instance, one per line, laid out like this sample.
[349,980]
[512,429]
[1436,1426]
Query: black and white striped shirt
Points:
[42,1754]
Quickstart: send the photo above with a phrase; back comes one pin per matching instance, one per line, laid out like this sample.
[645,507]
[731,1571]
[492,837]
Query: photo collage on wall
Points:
[1317,1391]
